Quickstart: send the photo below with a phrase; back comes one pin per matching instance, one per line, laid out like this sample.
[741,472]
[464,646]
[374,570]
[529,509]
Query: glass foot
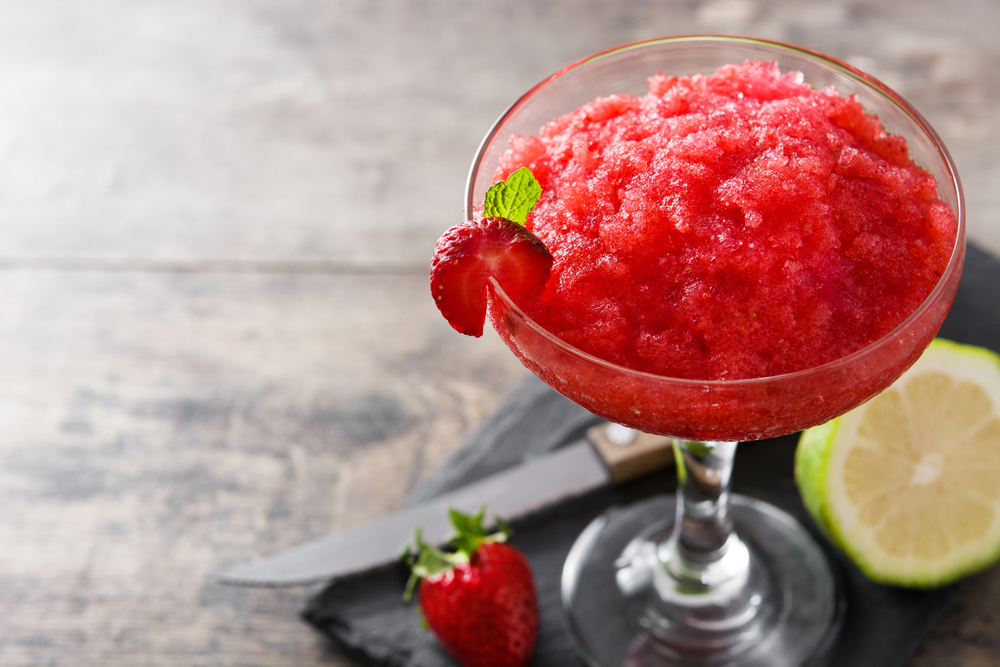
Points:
[621,609]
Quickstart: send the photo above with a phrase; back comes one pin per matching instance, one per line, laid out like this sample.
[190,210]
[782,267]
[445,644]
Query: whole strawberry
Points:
[479,600]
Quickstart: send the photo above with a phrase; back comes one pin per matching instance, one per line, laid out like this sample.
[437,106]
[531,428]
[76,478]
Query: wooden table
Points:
[216,338]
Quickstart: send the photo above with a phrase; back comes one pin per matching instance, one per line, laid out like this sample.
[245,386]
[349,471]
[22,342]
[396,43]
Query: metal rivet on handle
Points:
[620,435]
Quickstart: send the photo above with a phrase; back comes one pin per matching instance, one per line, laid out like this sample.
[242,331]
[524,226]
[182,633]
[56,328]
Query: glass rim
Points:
[945,283]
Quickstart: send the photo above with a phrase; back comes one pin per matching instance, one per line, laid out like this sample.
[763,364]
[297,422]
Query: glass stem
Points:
[704,555]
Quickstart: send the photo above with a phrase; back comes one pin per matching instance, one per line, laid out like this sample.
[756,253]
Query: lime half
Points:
[908,484]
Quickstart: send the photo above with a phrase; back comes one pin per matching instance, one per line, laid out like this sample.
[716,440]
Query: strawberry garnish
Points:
[496,246]
[478,599]
[470,253]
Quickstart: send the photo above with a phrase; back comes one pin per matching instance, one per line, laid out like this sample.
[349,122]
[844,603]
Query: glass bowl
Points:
[708,578]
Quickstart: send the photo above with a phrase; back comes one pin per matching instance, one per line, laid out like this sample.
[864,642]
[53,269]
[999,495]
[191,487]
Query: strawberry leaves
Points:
[426,560]
[470,533]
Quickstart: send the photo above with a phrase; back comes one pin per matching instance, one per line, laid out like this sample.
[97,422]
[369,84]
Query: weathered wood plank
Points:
[969,635]
[161,418]
[160,427]
[343,131]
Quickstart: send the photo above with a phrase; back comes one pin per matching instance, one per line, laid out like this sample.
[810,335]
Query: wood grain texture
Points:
[160,427]
[299,129]
[215,333]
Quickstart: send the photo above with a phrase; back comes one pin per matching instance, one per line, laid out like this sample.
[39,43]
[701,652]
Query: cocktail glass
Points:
[710,578]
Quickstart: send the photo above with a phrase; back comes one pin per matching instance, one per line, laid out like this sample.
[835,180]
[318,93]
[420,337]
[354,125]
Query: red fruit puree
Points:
[729,226]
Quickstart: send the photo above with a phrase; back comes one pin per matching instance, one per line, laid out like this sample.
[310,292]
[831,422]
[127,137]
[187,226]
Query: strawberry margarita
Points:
[729,226]
[732,256]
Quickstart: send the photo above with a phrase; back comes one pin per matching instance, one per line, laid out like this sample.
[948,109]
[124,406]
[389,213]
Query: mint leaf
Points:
[514,198]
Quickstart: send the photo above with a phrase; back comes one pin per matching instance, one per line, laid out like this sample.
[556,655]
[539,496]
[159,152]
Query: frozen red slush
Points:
[727,226]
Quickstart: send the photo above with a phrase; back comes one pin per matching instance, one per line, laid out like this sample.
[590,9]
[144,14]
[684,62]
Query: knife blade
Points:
[610,454]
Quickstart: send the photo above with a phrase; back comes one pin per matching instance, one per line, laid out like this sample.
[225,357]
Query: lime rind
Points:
[810,462]
[820,471]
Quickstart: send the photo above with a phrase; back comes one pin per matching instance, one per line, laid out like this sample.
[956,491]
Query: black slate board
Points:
[883,626]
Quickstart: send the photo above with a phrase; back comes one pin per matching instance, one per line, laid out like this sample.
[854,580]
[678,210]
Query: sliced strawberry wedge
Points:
[469,253]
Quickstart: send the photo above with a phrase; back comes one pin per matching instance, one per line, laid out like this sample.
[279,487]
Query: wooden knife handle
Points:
[630,458]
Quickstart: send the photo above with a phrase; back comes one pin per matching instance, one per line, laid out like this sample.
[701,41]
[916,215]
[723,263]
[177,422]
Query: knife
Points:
[610,454]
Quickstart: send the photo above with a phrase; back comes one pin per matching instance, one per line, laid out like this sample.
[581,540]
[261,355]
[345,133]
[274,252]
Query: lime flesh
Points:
[908,484]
